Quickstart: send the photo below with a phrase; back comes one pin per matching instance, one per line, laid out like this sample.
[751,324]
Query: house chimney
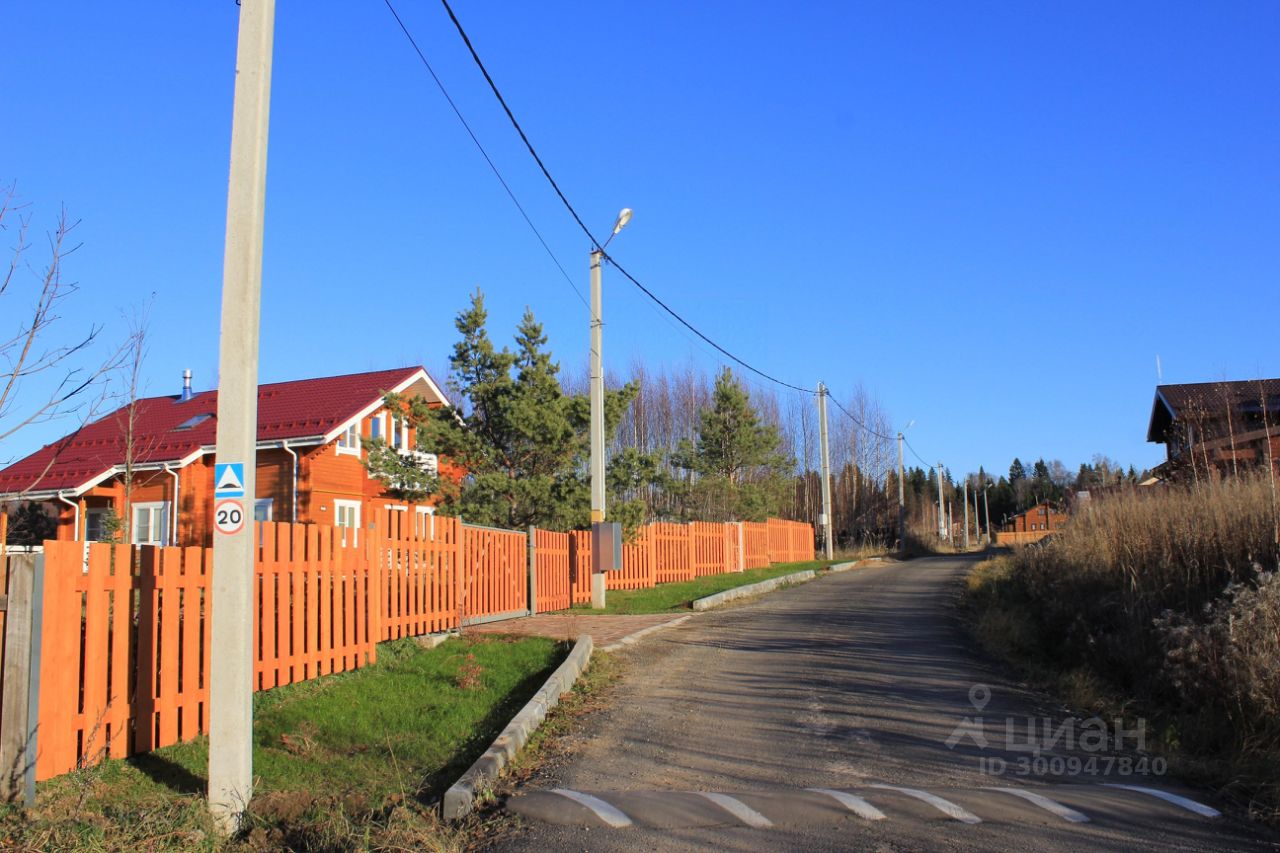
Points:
[186,386]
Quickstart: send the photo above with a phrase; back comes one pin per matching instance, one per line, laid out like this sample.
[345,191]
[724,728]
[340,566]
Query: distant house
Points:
[308,460]
[1043,517]
[1216,428]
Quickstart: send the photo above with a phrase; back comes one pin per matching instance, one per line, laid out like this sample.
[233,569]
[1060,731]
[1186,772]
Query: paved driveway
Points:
[849,713]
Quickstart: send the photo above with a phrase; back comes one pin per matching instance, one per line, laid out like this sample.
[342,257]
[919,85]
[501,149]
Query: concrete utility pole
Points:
[977,528]
[597,392]
[597,424]
[597,415]
[966,513]
[986,512]
[828,547]
[942,513]
[231,664]
[902,505]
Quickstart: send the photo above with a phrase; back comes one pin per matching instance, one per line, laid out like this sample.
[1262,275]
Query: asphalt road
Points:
[865,686]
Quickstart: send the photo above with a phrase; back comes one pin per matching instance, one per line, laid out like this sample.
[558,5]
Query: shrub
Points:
[1167,595]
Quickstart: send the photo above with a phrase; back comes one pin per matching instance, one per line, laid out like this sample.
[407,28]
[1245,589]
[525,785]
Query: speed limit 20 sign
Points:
[228,516]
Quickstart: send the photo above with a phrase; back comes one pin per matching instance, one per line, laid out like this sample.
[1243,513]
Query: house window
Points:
[349,440]
[262,509]
[347,514]
[151,523]
[399,432]
[94,522]
[377,426]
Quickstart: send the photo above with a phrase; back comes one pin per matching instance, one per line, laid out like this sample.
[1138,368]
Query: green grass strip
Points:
[674,597]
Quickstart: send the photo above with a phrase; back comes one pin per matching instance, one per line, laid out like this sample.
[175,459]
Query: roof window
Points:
[191,423]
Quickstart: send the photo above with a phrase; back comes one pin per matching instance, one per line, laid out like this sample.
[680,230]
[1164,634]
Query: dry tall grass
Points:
[1168,596]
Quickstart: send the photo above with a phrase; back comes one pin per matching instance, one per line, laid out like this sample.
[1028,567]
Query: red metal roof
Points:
[298,409]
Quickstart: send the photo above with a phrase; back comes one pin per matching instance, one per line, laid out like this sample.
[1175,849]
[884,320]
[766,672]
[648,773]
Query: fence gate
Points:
[495,574]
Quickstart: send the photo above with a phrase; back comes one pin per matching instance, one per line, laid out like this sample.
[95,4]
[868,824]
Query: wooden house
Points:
[1211,429]
[1043,517]
[309,460]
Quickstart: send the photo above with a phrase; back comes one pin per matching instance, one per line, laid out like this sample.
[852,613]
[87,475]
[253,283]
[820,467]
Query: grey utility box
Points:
[606,546]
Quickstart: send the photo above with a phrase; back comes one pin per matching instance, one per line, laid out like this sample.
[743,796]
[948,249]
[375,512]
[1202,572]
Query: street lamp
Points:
[601,537]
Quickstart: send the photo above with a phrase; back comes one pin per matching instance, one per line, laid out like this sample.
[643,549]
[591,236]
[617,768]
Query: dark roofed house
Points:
[308,460]
[1216,428]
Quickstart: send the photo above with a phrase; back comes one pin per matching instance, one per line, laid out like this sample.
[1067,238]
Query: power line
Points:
[413,42]
[527,144]
[916,455]
[850,416]
[691,328]
[578,219]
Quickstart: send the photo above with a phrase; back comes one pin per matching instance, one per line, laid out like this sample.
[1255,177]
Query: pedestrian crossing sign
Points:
[228,480]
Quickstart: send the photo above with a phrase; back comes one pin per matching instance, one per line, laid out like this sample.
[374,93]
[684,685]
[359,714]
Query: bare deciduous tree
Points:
[43,377]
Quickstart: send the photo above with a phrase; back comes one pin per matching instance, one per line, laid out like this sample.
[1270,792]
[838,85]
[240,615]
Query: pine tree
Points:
[736,458]
[521,441]
[30,525]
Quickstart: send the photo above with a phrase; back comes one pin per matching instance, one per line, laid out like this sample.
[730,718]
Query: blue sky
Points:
[992,215]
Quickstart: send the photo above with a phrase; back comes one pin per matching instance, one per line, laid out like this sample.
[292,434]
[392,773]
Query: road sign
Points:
[228,515]
[228,480]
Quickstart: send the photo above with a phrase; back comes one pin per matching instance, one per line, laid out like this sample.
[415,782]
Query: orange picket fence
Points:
[125,630]
[311,601]
[712,552]
[673,548]
[552,578]
[418,576]
[495,574]
[789,541]
[580,566]
[639,569]
[755,536]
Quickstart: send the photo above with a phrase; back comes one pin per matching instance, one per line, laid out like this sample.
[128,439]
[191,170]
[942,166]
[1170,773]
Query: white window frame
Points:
[352,432]
[338,506]
[264,503]
[400,438]
[151,507]
[381,420]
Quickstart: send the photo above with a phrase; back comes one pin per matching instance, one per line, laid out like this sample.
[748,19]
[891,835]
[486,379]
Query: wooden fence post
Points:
[20,701]
[533,571]
[742,548]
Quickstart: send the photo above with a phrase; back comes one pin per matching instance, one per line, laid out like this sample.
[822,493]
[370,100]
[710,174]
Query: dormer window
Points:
[349,440]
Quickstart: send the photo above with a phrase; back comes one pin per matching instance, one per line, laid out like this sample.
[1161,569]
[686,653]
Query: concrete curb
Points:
[751,589]
[459,800]
[644,632]
[861,564]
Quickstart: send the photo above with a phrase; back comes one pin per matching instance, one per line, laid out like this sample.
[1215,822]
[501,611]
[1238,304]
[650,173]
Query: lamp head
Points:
[623,218]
